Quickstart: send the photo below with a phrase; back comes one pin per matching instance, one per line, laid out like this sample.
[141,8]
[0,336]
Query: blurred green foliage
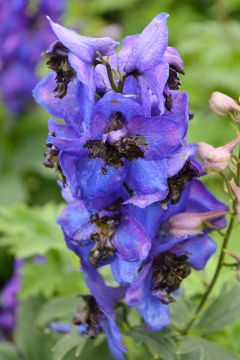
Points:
[207,35]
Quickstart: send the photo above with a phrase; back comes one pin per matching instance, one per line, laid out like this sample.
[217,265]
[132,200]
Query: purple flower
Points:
[113,235]
[25,34]
[127,172]
[172,257]
[8,300]
[121,146]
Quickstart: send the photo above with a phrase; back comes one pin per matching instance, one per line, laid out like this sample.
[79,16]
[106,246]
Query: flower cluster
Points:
[127,172]
[24,34]
[8,301]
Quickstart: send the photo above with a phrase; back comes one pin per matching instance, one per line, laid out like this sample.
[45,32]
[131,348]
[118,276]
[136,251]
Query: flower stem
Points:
[109,71]
[221,259]
[215,277]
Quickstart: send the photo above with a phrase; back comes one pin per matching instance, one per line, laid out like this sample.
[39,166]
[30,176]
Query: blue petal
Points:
[149,49]
[69,108]
[156,80]
[201,200]
[84,47]
[63,328]
[154,313]
[110,104]
[149,217]
[199,249]
[163,135]
[130,239]
[85,178]
[148,180]
[179,111]
[114,338]
[172,57]
[124,272]
[106,296]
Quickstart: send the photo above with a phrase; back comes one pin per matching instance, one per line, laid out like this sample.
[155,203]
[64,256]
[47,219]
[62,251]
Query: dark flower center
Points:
[127,147]
[57,60]
[177,182]
[169,271]
[106,227]
[173,82]
[51,161]
[169,102]
[89,315]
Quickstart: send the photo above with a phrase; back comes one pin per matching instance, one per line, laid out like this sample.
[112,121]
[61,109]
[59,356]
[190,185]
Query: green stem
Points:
[109,71]
[221,259]
[215,277]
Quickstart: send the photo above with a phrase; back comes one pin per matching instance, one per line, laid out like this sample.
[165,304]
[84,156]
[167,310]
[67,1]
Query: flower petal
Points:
[162,134]
[86,180]
[156,80]
[154,313]
[130,239]
[124,272]
[84,47]
[69,108]
[148,181]
[149,49]
[199,249]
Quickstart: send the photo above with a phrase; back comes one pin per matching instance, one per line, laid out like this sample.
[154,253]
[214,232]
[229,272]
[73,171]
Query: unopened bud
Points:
[189,223]
[222,104]
[216,159]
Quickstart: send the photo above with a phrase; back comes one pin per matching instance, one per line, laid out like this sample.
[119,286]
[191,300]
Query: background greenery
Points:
[207,35]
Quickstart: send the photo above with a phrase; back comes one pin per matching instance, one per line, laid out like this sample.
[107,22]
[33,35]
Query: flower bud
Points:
[190,223]
[216,159]
[222,104]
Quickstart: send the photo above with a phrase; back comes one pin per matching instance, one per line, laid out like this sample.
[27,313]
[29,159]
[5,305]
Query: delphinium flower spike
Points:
[127,172]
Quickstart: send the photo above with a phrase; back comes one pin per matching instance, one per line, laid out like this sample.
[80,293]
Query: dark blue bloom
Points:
[172,257]
[121,146]
[111,236]
[127,173]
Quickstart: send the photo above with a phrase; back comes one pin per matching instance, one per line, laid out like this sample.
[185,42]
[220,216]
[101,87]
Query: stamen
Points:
[88,315]
[169,271]
[177,183]
[174,82]
[103,249]
[57,60]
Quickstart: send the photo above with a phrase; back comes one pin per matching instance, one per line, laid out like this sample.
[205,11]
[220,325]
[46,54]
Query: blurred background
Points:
[207,35]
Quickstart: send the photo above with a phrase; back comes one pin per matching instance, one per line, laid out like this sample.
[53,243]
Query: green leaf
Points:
[7,351]
[92,351]
[222,311]
[203,349]
[57,276]
[30,231]
[161,345]
[66,344]
[57,309]
[31,340]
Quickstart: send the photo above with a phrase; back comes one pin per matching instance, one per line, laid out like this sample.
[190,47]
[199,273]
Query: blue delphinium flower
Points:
[127,172]
[173,255]
[25,34]
[167,259]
